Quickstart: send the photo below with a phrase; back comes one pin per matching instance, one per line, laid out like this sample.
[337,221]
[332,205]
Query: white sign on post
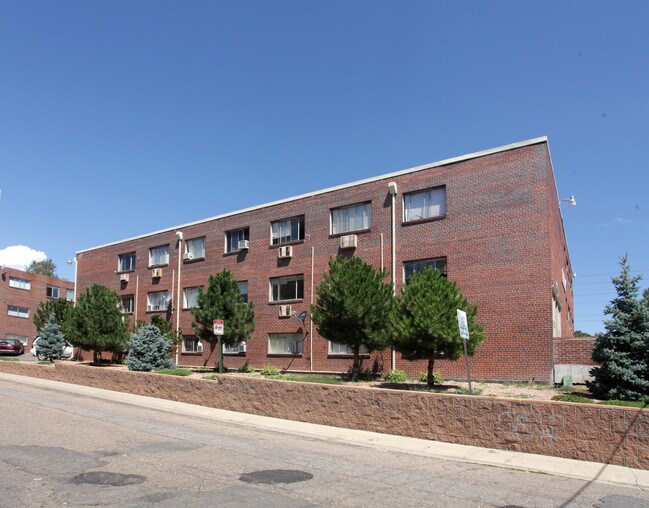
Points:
[463,324]
[218,327]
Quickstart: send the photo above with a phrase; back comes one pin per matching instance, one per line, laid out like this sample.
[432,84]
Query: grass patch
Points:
[573,398]
[309,378]
[45,362]
[175,372]
[627,403]
[7,359]
[212,377]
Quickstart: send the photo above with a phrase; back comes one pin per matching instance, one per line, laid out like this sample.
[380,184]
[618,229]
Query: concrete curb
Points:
[582,470]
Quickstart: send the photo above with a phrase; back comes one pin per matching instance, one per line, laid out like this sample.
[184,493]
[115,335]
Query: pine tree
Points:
[52,341]
[57,306]
[96,322]
[353,306]
[149,350]
[623,349]
[46,267]
[222,300]
[424,322]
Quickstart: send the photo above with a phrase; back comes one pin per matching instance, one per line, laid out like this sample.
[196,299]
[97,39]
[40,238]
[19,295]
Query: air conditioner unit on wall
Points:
[244,244]
[284,311]
[123,277]
[243,347]
[187,256]
[348,241]
[285,252]
[156,272]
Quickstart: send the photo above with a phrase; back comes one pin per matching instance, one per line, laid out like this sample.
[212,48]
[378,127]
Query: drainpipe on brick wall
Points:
[311,320]
[392,189]
[137,294]
[179,234]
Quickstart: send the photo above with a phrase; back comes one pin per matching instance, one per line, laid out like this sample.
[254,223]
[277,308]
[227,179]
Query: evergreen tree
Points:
[46,267]
[353,306]
[55,308]
[222,300]
[96,322]
[424,322]
[148,350]
[52,341]
[623,349]
[166,328]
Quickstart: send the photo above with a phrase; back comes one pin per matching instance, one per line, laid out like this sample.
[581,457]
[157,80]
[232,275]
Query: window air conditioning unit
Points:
[285,252]
[242,347]
[188,256]
[348,241]
[156,273]
[155,307]
[284,311]
[123,277]
[244,244]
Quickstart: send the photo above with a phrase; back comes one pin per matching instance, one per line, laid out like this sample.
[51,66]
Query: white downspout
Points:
[179,234]
[392,189]
[311,320]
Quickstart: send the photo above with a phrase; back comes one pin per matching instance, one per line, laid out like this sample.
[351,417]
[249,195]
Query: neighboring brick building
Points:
[20,294]
[490,219]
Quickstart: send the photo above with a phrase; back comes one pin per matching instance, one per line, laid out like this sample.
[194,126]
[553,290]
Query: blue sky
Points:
[120,118]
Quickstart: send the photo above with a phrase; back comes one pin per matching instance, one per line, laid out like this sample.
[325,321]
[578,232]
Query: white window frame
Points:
[351,218]
[198,344]
[336,348]
[157,301]
[18,283]
[287,230]
[434,262]
[276,283]
[433,204]
[123,309]
[52,291]
[285,344]
[159,256]
[17,311]
[196,247]
[122,266]
[232,239]
[22,338]
[69,294]
[189,291]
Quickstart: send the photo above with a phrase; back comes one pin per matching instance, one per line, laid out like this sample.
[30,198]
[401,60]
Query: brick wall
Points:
[576,351]
[606,434]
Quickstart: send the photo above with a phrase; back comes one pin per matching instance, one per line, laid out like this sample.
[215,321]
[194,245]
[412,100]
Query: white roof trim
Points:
[474,155]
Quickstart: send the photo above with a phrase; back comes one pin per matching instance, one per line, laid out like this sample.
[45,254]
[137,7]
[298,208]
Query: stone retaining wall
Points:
[613,435]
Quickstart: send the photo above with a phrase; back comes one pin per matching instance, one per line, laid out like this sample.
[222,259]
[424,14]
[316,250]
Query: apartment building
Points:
[490,220]
[20,293]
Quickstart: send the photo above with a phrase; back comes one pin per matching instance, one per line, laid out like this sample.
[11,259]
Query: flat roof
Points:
[473,155]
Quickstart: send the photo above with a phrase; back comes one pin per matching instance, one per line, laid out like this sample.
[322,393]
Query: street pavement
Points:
[70,445]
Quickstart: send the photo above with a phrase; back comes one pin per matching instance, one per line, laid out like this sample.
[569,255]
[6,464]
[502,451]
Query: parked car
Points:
[11,347]
[67,350]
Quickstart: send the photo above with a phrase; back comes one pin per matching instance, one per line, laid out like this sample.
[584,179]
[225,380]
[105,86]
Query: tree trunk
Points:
[356,366]
[95,357]
[431,364]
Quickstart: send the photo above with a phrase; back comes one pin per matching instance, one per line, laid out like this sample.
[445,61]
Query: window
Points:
[289,230]
[192,344]
[335,348]
[287,288]
[22,338]
[16,311]
[425,204]
[236,348]
[232,239]
[52,291]
[69,295]
[285,344]
[126,262]
[157,301]
[195,248]
[351,218]
[126,306]
[159,256]
[243,289]
[190,298]
[556,317]
[410,267]
[16,282]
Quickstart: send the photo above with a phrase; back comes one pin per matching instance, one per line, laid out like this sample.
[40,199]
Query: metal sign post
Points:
[464,333]
[218,331]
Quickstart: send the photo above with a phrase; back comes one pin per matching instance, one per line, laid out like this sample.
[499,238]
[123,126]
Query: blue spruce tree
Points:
[52,341]
[148,350]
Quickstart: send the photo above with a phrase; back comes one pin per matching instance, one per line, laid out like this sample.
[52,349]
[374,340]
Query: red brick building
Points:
[20,294]
[490,219]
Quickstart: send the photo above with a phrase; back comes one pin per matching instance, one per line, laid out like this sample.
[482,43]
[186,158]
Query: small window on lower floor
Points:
[192,344]
[285,344]
[15,311]
[410,267]
[237,347]
[22,338]
[336,348]
[126,306]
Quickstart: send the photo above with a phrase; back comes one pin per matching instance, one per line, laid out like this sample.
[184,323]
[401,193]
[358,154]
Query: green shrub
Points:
[573,398]
[175,372]
[628,403]
[395,376]
[269,370]
[149,350]
[437,378]
[246,368]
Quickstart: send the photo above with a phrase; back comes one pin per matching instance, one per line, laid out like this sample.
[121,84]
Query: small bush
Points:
[175,372]
[573,398]
[212,377]
[395,376]
[246,368]
[269,370]
[437,378]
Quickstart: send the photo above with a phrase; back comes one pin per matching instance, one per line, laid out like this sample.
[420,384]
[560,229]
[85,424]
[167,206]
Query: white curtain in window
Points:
[159,256]
[351,218]
[190,298]
[196,247]
[426,204]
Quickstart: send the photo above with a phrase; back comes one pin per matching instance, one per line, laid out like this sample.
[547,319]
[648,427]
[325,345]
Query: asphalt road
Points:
[60,448]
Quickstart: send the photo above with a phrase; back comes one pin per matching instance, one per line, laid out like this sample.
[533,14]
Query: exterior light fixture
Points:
[571,201]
